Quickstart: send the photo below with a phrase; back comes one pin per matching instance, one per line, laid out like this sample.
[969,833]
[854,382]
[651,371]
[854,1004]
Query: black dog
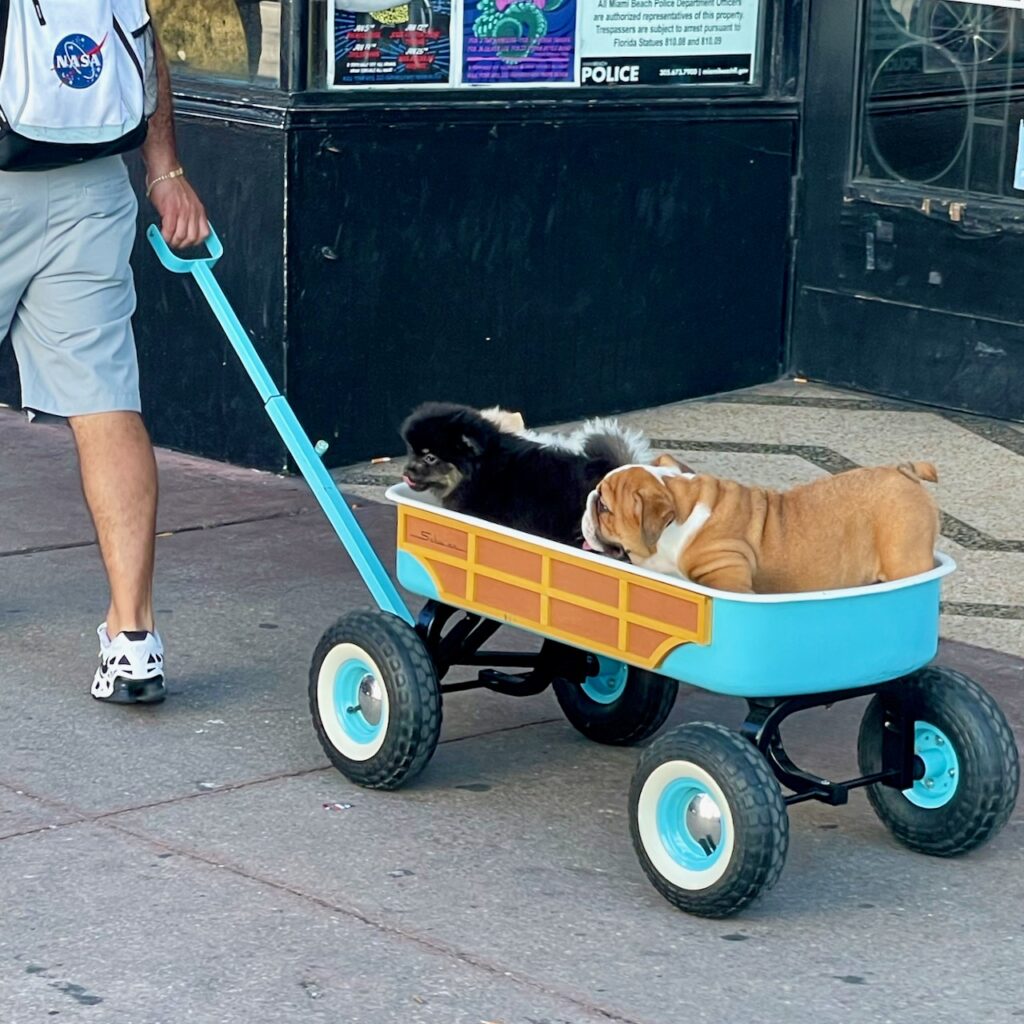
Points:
[541,488]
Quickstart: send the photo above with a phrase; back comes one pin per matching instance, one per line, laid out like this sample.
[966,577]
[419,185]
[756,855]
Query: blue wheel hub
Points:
[358,701]
[933,749]
[691,825]
[608,684]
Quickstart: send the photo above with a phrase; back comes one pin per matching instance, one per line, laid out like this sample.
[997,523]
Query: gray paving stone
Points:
[19,814]
[225,874]
[242,610]
[101,927]
[516,849]
[42,495]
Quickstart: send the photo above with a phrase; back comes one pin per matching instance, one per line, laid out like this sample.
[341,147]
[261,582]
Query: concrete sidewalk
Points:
[201,862]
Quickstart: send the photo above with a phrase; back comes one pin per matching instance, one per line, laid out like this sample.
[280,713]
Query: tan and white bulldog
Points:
[858,527]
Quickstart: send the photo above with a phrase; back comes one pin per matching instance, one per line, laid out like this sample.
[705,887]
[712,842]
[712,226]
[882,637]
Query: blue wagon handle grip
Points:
[306,457]
[179,264]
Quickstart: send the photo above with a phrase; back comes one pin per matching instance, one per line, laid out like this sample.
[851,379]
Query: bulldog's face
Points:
[627,513]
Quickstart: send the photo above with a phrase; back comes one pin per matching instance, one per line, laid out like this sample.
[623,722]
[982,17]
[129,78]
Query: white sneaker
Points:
[131,668]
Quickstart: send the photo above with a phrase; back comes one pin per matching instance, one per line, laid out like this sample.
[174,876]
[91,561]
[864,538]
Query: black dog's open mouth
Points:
[409,482]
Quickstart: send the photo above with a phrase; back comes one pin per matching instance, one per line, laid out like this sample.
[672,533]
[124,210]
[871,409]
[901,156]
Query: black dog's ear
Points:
[476,431]
[444,427]
[427,412]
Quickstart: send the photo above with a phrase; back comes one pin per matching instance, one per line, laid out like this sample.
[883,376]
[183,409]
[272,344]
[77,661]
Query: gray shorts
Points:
[66,289]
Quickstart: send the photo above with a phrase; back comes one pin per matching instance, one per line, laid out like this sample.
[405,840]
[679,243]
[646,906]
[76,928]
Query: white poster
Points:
[667,42]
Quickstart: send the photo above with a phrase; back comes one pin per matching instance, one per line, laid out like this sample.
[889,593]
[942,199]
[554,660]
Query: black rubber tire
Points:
[989,767]
[637,715]
[414,698]
[755,802]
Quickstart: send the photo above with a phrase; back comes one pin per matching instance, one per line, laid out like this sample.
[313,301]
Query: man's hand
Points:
[182,216]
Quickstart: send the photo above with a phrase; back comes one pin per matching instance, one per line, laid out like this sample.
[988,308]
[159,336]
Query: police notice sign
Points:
[667,42]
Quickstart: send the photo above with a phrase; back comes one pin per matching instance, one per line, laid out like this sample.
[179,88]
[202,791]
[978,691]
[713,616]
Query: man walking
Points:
[67,297]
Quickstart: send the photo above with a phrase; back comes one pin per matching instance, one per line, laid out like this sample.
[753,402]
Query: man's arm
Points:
[182,217]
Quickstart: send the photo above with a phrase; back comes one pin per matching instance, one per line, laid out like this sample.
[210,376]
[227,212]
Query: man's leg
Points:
[119,480]
[76,355]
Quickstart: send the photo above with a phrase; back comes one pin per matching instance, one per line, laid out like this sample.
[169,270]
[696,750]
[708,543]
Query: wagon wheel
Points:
[608,701]
[708,820]
[967,770]
[374,699]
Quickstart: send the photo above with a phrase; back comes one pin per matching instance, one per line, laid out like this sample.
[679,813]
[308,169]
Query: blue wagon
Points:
[707,805]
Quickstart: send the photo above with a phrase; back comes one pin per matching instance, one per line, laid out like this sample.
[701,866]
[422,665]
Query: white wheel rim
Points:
[351,733]
[672,775]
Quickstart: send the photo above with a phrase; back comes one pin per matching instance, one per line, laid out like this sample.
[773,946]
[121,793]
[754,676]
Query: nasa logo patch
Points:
[78,60]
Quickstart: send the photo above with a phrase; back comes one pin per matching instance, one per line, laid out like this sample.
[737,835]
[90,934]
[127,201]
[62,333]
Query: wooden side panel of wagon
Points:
[548,590]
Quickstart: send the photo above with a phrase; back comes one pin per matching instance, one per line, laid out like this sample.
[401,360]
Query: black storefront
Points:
[583,206]
[910,231]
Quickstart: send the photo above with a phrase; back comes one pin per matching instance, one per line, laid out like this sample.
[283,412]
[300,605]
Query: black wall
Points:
[195,395]
[566,255]
[564,267]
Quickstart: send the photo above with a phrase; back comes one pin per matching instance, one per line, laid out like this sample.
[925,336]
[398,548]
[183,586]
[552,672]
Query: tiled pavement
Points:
[200,862]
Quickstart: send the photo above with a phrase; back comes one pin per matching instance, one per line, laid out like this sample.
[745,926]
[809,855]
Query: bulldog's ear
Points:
[507,421]
[654,511]
[666,461]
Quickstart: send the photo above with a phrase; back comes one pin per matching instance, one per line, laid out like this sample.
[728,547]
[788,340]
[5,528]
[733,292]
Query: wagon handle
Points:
[324,489]
[179,264]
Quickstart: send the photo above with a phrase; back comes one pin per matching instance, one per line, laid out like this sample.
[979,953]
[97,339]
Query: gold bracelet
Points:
[176,173]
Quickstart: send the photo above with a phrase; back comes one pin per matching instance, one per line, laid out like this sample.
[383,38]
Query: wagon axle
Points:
[900,768]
